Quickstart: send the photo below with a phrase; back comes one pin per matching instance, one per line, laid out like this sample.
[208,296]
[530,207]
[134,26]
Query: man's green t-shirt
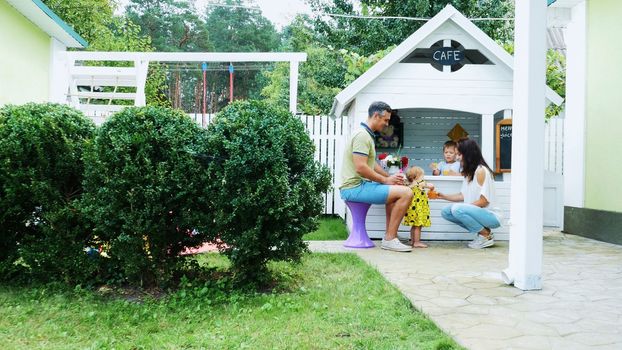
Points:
[362,142]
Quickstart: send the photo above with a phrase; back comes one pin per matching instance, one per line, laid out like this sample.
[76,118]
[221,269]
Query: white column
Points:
[293,86]
[488,138]
[574,121]
[142,67]
[59,77]
[525,255]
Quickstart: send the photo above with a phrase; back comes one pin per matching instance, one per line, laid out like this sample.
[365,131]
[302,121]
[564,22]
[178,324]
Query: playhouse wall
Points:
[24,59]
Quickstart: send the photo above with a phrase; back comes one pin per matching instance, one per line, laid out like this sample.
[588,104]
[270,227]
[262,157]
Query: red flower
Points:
[382,156]
[404,162]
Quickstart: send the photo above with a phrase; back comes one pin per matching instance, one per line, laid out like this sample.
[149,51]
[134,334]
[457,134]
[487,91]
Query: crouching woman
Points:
[477,212]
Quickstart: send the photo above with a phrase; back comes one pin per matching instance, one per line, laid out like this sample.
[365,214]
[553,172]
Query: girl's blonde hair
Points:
[413,173]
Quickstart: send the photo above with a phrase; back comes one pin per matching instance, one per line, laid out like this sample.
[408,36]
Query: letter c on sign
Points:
[434,56]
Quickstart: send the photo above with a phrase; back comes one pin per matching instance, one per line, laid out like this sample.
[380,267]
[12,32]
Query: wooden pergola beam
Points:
[141,63]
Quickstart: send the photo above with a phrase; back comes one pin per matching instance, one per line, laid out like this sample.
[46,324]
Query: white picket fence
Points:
[329,136]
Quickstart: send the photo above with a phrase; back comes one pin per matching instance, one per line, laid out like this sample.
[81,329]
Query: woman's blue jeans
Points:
[470,217]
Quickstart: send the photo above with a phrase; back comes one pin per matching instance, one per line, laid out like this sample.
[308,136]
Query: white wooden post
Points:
[293,86]
[574,120]
[142,67]
[488,138]
[525,253]
[59,79]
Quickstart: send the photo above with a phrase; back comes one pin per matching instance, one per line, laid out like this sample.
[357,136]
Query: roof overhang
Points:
[41,15]
[346,96]
[564,3]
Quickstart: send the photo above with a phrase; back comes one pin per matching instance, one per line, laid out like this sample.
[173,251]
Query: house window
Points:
[454,55]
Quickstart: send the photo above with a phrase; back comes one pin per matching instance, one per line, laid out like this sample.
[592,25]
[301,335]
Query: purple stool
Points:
[358,237]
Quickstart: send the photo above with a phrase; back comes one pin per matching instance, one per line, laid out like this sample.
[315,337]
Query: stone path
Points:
[579,307]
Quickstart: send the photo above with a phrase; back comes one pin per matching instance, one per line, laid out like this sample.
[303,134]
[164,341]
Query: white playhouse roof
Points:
[343,100]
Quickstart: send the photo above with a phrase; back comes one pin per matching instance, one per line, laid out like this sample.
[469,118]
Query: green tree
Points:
[233,28]
[172,25]
[240,29]
[367,36]
[555,78]
[41,173]
[321,77]
[95,21]
[89,18]
[266,188]
[144,192]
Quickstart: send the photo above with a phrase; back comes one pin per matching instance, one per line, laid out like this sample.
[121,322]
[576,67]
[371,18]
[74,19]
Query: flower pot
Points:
[393,169]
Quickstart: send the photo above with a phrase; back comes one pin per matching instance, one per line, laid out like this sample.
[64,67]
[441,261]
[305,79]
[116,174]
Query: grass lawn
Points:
[330,301]
[331,229]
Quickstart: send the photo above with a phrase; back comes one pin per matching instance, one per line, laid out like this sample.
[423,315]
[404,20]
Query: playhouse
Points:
[447,78]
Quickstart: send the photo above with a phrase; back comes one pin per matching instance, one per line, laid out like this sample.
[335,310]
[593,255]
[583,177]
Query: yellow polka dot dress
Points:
[418,213]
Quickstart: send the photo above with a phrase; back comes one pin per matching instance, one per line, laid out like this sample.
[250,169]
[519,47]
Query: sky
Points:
[279,12]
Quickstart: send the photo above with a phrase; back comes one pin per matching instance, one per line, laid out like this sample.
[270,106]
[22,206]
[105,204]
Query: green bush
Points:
[266,188]
[41,171]
[145,192]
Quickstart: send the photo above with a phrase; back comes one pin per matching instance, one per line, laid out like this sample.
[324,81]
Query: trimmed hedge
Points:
[146,193]
[42,233]
[266,188]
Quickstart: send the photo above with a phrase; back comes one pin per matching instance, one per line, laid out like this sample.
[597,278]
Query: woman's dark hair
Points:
[471,158]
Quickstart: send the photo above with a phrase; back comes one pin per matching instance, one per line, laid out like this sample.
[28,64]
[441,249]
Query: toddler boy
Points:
[450,166]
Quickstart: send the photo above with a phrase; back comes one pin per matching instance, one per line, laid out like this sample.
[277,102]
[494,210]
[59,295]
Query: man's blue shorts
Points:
[367,192]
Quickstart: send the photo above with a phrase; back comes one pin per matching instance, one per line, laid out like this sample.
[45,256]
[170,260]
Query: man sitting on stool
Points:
[363,180]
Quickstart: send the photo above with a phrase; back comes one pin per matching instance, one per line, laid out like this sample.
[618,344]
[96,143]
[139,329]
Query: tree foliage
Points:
[145,192]
[555,78]
[41,173]
[367,36]
[269,188]
[172,25]
[321,77]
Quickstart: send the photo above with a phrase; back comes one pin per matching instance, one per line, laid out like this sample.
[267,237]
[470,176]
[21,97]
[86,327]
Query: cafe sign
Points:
[447,56]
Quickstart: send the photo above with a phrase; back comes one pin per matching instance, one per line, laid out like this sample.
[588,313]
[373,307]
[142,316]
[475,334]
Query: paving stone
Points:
[456,321]
[547,317]
[564,344]
[537,298]
[530,328]
[448,302]
[481,300]
[592,338]
[482,344]
[530,342]
[492,331]
[461,293]
[472,309]
[564,329]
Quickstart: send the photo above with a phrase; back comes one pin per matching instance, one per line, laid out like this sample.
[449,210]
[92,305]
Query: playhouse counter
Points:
[441,229]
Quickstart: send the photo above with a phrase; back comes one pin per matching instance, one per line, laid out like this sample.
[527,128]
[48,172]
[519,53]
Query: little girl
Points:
[418,213]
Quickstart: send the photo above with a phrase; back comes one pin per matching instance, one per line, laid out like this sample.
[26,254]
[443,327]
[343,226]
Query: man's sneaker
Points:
[395,245]
[482,242]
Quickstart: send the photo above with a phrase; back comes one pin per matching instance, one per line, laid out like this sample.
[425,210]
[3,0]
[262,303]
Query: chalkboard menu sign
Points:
[504,146]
